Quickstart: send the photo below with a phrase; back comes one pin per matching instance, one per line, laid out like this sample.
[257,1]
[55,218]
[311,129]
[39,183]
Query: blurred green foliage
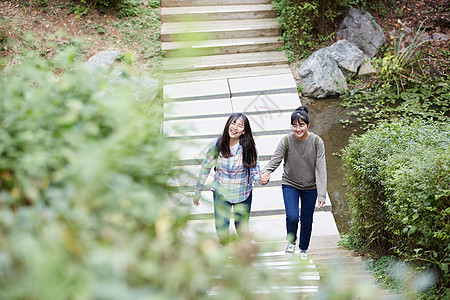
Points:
[87,208]
[399,193]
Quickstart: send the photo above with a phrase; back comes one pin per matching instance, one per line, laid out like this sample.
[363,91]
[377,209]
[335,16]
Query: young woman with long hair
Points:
[236,163]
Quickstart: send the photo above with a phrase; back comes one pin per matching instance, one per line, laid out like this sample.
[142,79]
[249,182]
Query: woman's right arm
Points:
[207,164]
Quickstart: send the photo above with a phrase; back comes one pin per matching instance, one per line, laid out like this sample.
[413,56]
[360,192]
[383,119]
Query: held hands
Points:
[196,199]
[265,177]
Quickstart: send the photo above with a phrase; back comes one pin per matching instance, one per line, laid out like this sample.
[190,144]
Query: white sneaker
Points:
[303,255]
[290,249]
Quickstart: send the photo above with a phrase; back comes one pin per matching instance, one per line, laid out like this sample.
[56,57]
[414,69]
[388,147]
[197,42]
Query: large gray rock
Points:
[324,73]
[145,88]
[320,76]
[439,37]
[366,68]
[348,57]
[103,59]
[363,31]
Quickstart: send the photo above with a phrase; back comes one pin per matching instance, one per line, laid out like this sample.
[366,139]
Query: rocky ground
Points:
[405,19]
[55,25]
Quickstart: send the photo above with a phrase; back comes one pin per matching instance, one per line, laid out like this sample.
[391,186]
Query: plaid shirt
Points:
[231,179]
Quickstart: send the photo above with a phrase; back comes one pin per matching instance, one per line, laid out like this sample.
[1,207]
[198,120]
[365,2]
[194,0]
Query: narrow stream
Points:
[325,117]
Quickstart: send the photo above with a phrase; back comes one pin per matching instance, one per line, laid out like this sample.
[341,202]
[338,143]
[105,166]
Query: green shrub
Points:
[398,67]
[154,3]
[295,18]
[429,99]
[125,8]
[399,192]
[86,210]
[102,3]
[129,8]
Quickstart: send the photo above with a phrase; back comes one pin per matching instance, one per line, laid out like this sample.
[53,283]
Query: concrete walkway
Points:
[196,114]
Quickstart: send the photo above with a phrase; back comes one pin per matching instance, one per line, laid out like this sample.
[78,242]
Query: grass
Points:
[143,33]
[397,276]
[53,25]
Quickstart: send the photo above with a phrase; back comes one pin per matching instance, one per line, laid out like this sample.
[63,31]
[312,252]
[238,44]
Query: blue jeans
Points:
[222,215]
[308,199]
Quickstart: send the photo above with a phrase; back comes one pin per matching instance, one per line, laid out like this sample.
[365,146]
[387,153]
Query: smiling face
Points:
[237,128]
[300,129]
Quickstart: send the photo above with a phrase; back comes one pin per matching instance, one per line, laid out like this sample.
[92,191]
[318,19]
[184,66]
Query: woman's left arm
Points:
[321,172]
[255,172]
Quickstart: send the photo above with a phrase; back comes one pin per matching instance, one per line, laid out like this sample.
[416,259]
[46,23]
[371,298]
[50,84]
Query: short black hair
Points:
[300,113]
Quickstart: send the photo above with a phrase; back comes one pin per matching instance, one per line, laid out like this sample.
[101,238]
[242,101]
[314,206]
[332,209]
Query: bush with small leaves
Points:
[400,196]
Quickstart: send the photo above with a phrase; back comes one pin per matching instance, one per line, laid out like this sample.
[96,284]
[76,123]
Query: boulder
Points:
[348,57]
[145,88]
[425,37]
[103,59]
[442,18]
[363,31]
[366,68]
[439,37]
[324,73]
[320,76]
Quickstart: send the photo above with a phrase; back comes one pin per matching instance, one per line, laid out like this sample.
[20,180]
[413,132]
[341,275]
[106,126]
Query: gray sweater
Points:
[305,168]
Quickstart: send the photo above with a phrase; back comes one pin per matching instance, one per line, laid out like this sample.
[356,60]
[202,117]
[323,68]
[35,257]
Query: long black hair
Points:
[246,140]
[300,113]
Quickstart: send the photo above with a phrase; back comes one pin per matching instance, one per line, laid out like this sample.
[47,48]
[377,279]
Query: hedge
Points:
[398,175]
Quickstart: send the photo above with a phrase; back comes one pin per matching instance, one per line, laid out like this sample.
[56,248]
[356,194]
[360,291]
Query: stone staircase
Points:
[331,272]
[217,39]
[195,114]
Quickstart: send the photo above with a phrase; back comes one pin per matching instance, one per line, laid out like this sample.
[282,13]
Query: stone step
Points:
[222,46]
[270,228]
[298,290]
[337,274]
[223,12]
[222,29]
[195,109]
[253,104]
[229,73]
[197,90]
[189,174]
[327,253]
[267,201]
[262,85]
[180,3]
[203,128]
[268,85]
[194,150]
[224,61]
[313,277]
